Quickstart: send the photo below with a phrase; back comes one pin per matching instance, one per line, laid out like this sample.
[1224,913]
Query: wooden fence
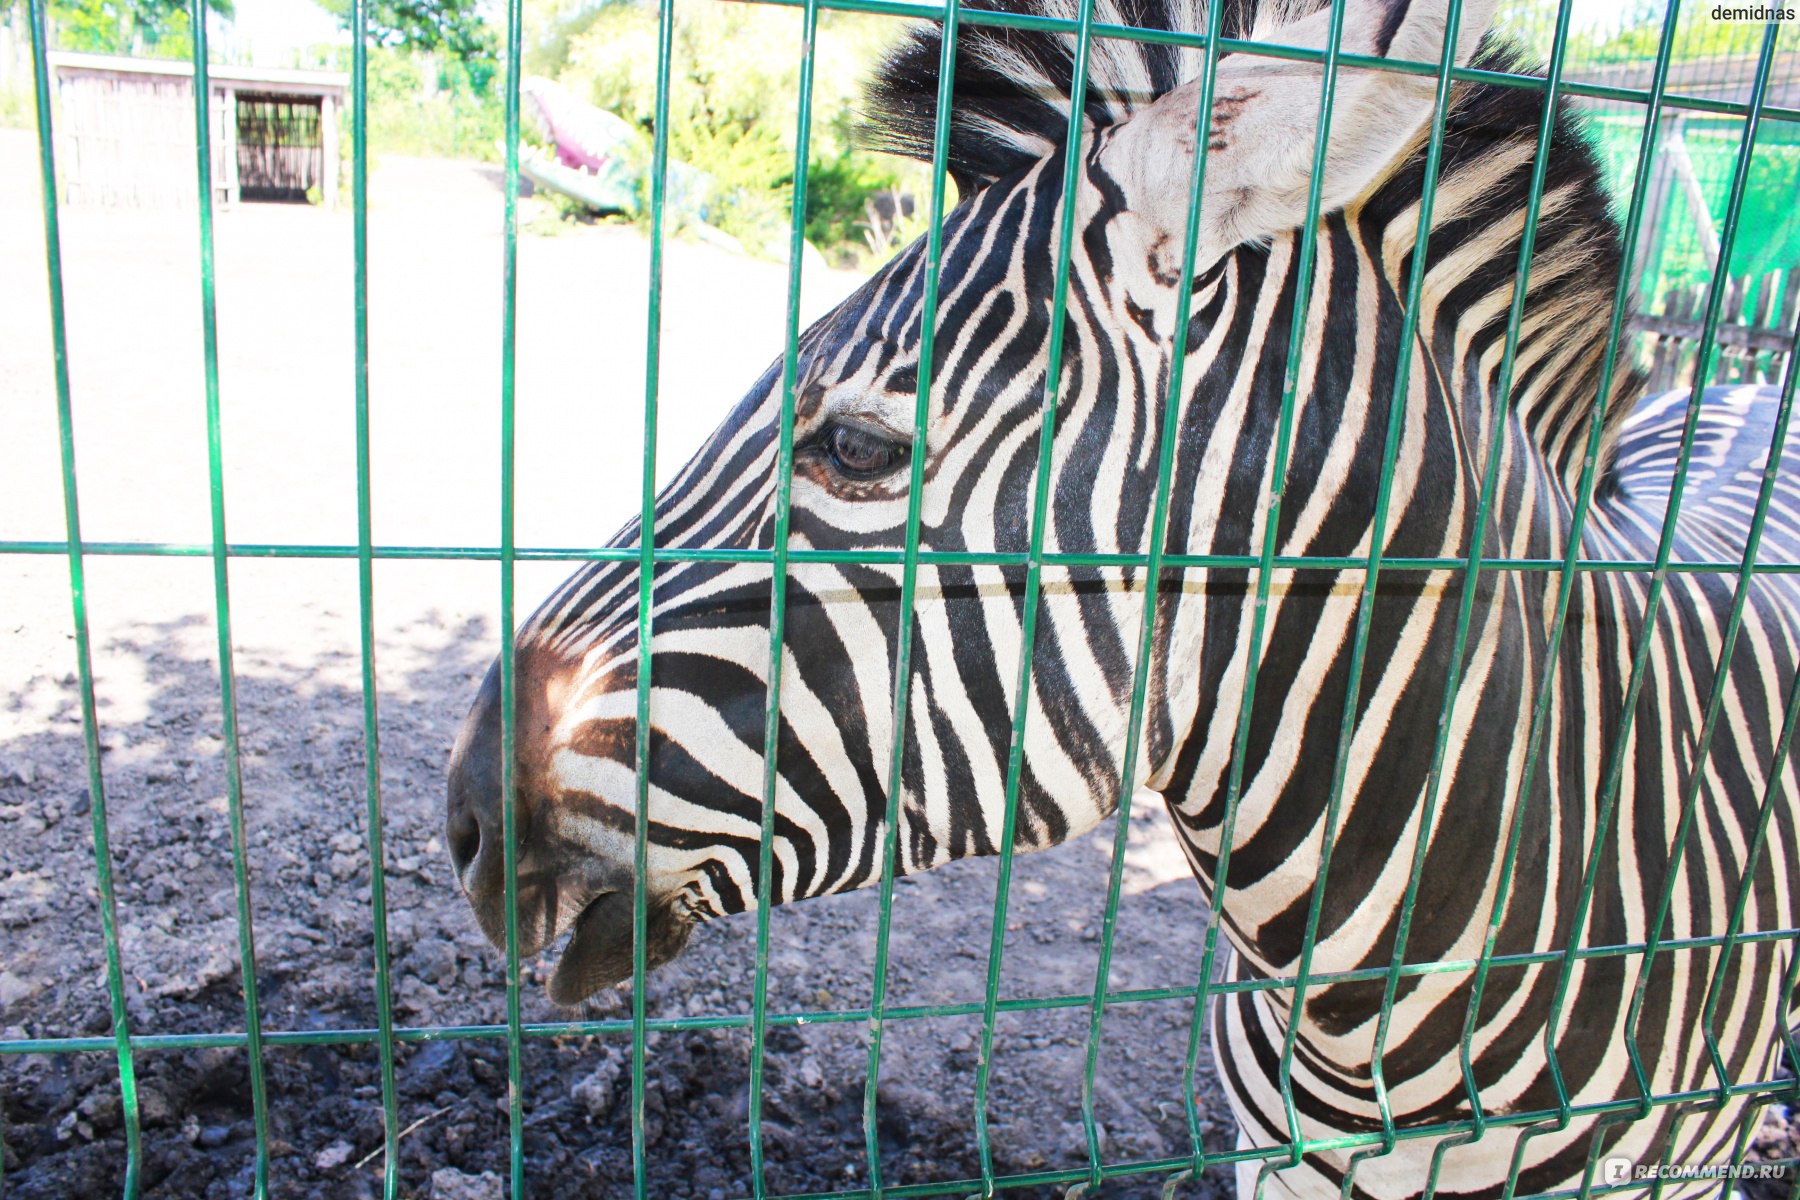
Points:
[1755,333]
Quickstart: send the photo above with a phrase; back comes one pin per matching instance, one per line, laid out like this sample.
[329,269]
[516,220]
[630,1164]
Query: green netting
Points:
[1769,236]
[1618,44]
[1745,153]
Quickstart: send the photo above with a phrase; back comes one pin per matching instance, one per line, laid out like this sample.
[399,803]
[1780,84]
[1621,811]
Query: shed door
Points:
[280,146]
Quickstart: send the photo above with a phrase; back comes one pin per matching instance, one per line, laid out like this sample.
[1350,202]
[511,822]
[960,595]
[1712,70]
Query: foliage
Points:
[837,190]
[453,27]
[734,108]
[551,27]
[857,204]
[1632,30]
[18,107]
[419,105]
[146,28]
[1693,39]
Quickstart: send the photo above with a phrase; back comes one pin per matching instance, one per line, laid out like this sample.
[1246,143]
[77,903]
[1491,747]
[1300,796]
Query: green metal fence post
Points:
[646,591]
[1171,430]
[234,782]
[909,578]
[784,486]
[1040,506]
[365,587]
[105,900]
[509,832]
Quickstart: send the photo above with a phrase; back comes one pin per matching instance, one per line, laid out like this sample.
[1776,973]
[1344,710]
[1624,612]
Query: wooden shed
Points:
[125,131]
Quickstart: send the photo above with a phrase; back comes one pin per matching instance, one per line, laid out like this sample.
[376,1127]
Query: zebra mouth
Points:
[598,954]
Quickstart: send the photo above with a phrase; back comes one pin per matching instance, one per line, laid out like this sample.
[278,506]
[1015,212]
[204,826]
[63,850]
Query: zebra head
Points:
[856,383]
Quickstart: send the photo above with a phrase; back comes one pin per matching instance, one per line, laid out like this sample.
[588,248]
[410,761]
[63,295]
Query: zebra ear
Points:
[1265,113]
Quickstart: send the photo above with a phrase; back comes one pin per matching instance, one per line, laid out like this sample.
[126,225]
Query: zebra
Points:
[1572,410]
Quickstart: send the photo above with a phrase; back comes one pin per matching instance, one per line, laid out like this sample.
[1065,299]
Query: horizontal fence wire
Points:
[887,558]
[426,1033]
[1190,1082]
[255,1039]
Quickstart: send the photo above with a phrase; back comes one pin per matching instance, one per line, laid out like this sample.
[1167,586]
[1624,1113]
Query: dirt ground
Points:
[285,289]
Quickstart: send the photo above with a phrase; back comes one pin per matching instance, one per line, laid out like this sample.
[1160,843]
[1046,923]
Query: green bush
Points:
[420,105]
[841,205]
[734,108]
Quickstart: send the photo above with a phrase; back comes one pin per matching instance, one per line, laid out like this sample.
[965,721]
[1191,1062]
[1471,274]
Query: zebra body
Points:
[1290,784]
[1282,824]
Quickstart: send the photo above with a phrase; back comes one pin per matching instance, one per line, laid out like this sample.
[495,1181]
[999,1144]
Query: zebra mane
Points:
[1010,108]
[1012,86]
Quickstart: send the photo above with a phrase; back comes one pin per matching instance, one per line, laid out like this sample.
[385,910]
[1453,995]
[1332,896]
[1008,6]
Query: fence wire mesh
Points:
[1740,127]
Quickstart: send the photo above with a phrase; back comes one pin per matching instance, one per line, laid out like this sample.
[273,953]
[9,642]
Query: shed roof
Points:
[316,82]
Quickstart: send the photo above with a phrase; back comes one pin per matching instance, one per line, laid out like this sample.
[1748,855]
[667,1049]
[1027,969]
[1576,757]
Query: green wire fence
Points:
[256,1040]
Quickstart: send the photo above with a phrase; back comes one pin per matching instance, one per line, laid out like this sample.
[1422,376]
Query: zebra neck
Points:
[1348,697]
[1560,379]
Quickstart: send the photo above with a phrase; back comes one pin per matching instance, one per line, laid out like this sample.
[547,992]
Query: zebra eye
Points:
[860,453]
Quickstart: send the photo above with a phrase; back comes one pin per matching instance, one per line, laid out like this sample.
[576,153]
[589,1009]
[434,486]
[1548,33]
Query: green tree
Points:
[1630,30]
[733,111]
[452,27]
[150,28]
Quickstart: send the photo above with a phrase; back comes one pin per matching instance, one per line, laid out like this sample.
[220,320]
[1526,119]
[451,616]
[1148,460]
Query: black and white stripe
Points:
[578,655]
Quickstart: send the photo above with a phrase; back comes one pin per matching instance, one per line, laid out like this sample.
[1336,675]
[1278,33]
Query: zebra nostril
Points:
[474,784]
[464,835]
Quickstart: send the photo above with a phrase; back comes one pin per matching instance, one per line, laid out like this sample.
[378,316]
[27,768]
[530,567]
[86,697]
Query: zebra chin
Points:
[598,954]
